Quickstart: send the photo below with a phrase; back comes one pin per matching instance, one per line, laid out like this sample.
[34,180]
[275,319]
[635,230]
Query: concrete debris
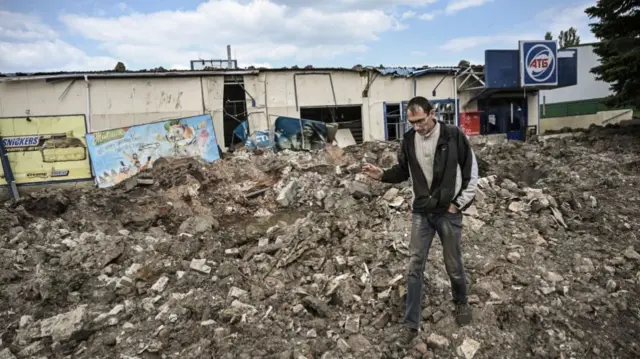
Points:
[200,266]
[437,341]
[160,284]
[188,266]
[6,354]
[469,348]
[63,326]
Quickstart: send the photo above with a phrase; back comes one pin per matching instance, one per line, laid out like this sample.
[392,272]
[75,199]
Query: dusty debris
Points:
[197,264]
[469,348]
[6,354]
[437,341]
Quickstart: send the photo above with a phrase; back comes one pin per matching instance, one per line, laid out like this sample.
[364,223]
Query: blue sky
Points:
[67,35]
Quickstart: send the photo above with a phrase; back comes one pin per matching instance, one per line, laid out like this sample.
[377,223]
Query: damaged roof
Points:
[161,72]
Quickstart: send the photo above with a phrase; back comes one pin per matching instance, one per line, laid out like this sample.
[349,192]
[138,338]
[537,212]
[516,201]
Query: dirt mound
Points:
[297,255]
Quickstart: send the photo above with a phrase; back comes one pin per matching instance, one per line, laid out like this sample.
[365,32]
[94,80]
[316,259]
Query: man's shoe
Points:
[463,314]
[405,338]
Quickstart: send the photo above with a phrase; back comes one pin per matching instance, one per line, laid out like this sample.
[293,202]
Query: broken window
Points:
[394,123]
[445,111]
[347,117]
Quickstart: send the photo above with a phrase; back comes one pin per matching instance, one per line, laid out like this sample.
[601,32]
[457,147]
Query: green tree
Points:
[120,67]
[568,38]
[617,27]
[548,36]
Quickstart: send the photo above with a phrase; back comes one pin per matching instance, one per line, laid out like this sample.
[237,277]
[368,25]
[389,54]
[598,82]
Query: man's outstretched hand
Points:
[372,171]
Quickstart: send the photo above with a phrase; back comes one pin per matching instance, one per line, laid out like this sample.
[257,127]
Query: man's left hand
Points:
[453,209]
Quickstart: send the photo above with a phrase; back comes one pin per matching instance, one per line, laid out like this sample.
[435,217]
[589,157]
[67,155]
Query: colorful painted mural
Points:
[120,153]
[45,149]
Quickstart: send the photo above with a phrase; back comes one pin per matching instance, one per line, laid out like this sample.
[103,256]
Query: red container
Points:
[470,123]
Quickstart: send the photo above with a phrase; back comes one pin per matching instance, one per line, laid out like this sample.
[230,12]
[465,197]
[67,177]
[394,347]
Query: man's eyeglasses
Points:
[420,122]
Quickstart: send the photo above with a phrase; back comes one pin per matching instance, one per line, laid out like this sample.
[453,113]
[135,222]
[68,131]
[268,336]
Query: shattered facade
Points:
[115,100]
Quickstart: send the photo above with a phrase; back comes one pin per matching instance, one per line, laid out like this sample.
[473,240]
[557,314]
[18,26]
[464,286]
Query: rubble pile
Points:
[297,255]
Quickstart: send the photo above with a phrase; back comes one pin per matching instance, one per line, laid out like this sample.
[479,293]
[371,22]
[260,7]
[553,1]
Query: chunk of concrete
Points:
[199,265]
[63,326]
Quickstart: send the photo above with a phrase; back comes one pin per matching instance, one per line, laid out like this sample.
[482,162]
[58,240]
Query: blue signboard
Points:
[120,153]
[538,63]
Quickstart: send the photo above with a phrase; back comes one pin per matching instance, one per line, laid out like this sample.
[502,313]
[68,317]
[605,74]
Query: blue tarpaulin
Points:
[242,130]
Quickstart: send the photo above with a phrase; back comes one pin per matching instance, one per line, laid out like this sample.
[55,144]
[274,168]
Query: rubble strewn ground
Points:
[296,255]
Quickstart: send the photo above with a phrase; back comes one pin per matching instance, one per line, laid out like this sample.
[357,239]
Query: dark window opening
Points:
[347,117]
[445,112]
[235,109]
[394,122]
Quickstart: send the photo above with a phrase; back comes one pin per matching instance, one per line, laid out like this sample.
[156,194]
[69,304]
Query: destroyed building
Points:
[296,254]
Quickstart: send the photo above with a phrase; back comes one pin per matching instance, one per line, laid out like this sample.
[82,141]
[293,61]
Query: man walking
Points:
[442,166]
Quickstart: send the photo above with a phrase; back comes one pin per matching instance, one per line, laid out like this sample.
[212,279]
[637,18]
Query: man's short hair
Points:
[419,103]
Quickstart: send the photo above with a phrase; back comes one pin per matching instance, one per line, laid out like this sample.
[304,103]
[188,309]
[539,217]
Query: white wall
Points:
[126,102]
[38,98]
[587,87]
[115,102]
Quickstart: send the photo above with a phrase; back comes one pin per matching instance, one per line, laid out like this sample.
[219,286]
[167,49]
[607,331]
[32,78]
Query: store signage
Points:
[538,63]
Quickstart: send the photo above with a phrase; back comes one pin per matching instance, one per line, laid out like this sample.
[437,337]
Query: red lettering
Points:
[539,63]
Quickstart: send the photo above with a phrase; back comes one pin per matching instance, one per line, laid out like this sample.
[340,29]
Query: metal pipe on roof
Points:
[433,93]
[415,86]
[88,105]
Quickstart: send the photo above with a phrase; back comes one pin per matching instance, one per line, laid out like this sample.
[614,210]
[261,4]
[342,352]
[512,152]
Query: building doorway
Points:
[347,117]
[234,107]
[506,115]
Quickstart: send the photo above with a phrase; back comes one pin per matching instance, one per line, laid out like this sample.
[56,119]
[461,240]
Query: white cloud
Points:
[122,6]
[457,5]
[258,31]
[352,4]
[554,20]
[408,15]
[427,16]
[23,27]
[27,44]
[559,19]
[460,44]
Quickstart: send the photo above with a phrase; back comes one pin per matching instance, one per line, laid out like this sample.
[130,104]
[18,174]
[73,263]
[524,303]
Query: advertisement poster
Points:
[45,149]
[120,153]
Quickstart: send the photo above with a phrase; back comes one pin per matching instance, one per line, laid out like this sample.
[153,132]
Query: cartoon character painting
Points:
[186,140]
[137,162]
[181,136]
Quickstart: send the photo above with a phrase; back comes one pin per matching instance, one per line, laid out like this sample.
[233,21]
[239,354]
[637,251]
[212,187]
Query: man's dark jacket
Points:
[452,150]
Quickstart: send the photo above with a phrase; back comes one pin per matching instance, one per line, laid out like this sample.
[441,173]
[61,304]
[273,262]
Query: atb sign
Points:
[538,63]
